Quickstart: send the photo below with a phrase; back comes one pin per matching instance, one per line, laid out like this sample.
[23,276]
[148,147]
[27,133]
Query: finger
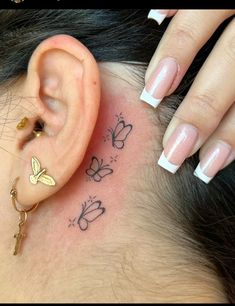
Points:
[160,15]
[207,101]
[219,151]
[186,34]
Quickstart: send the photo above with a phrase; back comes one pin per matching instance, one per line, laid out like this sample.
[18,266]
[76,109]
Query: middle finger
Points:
[204,106]
[187,32]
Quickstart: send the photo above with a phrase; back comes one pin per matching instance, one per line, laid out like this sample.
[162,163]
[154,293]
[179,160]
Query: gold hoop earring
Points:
[22,217]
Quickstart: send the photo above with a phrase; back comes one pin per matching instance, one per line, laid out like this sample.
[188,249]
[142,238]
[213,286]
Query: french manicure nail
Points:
[213,161]
[178,147]
[157,15]
[160,81]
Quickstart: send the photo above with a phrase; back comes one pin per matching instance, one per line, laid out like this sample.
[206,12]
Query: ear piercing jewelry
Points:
[40,175]
[22,124]
[22,218]
[37,133]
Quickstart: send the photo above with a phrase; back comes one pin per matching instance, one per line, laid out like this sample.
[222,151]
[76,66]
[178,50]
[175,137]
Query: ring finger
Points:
[219,151]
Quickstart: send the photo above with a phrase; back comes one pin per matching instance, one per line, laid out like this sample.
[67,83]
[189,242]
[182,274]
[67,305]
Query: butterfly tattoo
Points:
[91,210]
[98,170]
[89,214]
[120,133]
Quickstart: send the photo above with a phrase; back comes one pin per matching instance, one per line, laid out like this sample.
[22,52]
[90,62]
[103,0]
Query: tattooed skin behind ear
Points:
[113,159]
[91,210]
[98,170]
[120,133]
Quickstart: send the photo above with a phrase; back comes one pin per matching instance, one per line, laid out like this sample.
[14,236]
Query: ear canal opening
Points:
[39,125]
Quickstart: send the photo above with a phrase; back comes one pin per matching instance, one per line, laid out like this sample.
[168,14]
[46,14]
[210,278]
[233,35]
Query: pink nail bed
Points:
[178,147]
[160,81]
[213,161]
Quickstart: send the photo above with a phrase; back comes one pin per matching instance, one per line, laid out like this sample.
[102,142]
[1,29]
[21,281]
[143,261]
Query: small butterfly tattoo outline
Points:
[90,212]
[119,134]
[98,170]
[39,175]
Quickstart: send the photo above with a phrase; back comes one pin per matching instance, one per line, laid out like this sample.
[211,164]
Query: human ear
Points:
[63,79]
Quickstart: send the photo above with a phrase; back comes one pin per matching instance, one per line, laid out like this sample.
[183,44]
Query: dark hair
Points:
[205,212]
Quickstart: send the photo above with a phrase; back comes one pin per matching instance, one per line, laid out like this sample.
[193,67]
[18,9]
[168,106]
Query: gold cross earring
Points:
[23,215]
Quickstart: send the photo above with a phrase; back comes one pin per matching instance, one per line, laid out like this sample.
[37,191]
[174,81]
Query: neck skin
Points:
[111,258]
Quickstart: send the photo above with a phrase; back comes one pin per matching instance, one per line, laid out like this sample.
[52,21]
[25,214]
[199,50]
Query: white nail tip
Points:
[198,172]
[146,97]
[164,163]
[154,14]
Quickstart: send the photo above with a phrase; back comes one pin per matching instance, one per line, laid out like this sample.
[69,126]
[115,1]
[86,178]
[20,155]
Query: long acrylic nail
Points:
[160,81]
[158,15]
[213,161]
[178,147]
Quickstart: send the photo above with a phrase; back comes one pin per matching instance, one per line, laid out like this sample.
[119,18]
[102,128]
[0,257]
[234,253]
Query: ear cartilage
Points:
[40,175]
[22,124]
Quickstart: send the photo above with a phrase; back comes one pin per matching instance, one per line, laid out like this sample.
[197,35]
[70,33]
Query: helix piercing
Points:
[22,124]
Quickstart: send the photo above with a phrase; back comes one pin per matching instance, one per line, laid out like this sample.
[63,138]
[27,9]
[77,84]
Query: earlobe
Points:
[64,80]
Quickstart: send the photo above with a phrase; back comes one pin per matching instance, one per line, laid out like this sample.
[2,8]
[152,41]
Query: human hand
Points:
[205,119]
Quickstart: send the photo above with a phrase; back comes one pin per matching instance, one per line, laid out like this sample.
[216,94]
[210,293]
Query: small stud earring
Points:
[22,124]
[40,175]
[37,133]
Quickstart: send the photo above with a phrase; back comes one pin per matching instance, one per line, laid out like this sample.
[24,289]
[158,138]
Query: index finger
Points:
[186,34]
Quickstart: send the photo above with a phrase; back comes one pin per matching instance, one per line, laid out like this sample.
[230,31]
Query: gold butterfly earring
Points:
[40,175]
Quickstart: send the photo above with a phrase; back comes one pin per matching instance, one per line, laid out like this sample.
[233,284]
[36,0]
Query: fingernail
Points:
[158,15]
[160,81]
[230,159]
[178,147]
[213,161]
